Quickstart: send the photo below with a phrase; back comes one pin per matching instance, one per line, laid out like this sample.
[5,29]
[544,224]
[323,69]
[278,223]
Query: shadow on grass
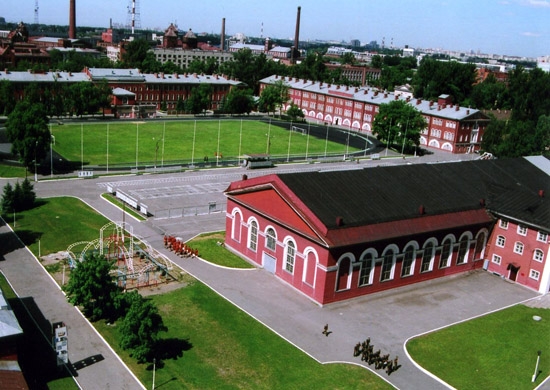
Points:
[171,348]
[36,356]
[28,237]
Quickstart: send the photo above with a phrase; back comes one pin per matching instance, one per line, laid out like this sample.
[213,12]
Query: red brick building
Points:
[450,127]
[136,94]
[333,236]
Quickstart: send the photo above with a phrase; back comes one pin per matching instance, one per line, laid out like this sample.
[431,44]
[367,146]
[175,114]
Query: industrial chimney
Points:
[222,44]
[72,20]
[295,50]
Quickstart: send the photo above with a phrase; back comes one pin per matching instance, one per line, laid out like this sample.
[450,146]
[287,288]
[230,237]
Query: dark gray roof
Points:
[381,194]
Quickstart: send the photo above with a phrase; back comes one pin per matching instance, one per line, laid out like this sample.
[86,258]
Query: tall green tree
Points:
[274,96]
[200,99]
[140,327]
[8,197]
[92,287]
[239,101]
[7,97]
[398,123]
[434,78]
[136,53]
[28,132]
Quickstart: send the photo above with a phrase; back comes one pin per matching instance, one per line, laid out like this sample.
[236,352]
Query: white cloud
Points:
[530,34]
[538,3]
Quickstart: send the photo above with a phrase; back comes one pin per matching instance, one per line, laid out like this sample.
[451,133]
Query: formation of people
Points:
[369,355]
[179,247]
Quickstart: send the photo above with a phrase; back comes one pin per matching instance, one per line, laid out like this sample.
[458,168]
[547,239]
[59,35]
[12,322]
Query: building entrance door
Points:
[269,262]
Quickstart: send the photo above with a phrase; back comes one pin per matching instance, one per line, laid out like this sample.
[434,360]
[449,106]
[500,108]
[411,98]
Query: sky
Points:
[508,27]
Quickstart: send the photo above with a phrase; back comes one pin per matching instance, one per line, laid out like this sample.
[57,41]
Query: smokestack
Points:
[296,52]
[72,20]
[222,46]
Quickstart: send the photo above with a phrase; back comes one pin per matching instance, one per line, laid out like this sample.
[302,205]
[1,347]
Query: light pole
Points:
[154,369]
[35,173]
[536,367]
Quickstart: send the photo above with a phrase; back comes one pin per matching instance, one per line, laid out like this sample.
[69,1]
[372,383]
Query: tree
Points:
[295,112]
[8,199]
[200,99]
[517,138]
[136,54]
[399,123]
[7,97]
[28,132]
[273,96]
[92,287]
[434,78]
[140,327]
[239,101]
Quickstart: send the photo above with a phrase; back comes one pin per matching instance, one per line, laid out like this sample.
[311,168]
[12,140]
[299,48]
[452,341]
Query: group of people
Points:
[179,247]
[369,355]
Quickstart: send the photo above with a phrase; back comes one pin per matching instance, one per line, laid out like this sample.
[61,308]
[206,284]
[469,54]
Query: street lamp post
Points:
[35,173]
[536,367]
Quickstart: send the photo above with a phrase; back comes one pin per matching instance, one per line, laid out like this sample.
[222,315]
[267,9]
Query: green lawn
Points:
[56,223]
[8,171]
[114,143]
[209,249]
[497,351]
[218,346]
[210,343]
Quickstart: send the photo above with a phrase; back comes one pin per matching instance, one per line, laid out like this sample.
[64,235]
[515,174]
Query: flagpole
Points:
[193,152]
[107,148]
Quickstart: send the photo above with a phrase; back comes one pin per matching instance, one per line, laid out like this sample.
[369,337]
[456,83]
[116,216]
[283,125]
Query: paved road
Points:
[388,318]
[30,280]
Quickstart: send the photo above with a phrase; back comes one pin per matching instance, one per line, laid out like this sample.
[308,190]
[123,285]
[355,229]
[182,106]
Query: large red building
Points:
[341,234]
[450,127]
[135,94]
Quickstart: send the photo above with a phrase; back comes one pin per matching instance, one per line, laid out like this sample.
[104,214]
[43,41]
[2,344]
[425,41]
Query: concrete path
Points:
[30,280]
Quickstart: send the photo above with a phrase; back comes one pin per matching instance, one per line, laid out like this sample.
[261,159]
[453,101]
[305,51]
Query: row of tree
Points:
[17,198]
[93,288]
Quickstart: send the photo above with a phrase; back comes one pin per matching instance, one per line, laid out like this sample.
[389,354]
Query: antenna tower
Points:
[36,12]
[134,20]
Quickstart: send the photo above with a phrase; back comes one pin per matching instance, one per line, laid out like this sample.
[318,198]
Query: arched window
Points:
[480,245]
[538,255]
[428,257]
[290,256]
[310,266]
[446,253]
[367,269]
[463,249]
[344,274]
[270,239]
[408,261]
[253,235]
[388,266]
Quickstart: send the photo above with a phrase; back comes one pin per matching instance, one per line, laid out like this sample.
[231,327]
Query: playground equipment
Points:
[138,264]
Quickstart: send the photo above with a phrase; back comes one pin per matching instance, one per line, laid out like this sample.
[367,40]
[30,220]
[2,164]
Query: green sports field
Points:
[187,141]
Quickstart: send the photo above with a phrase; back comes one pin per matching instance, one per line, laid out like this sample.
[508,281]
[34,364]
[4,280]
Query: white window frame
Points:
[252,244]
[270,238]
[519,247]
[534,274]
[501,241]
[290,264]
[496,259]
[542,236]
[522,230]
[538,255]
[503,224]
